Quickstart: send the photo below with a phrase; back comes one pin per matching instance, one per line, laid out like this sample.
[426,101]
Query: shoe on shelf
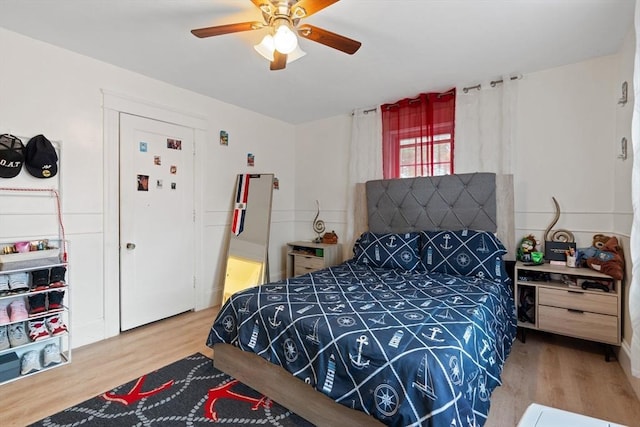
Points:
[40,280]
[30,362]
[4,337]
[18,310]
[55,325]
[4,284]
[50,354]
[37,304]
[19,282]
[17,335]
[37,330]
[56,280]
[55,299]
[4,313]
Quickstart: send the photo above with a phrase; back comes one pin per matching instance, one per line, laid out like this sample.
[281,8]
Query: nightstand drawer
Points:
[592,326]
[578,300]
[306,264]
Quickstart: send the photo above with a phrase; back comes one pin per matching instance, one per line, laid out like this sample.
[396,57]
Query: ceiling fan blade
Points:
[226,29]
[305,8]
[328,38]
[279,61]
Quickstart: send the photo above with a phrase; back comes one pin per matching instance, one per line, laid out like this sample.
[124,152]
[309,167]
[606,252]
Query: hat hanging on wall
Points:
[11,156]
[41,159]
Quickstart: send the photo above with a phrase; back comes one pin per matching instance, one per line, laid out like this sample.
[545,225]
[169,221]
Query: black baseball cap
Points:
[40,157]
[11,156]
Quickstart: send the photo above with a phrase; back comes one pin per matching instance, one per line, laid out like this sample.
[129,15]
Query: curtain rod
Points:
[493,83]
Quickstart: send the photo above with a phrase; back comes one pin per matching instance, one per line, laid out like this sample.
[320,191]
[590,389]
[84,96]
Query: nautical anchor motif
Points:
[434,331]
[424,382]
[272,321]
[357,360]
[224,392]
[398,305]
[446,245]
[275,289]
[337,308]
[456,299]
[301,288]
[392,242]
[134,395]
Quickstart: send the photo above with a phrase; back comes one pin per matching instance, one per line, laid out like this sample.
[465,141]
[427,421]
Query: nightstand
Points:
[560,304]
[305,257]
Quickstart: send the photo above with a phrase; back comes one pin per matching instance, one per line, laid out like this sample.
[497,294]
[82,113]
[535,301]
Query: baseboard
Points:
[624,358]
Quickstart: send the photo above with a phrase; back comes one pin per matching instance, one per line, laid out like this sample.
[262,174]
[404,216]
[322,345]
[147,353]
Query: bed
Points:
[414,329]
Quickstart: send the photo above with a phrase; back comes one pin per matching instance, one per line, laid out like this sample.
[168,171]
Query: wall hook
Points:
[623,149]
[623,99]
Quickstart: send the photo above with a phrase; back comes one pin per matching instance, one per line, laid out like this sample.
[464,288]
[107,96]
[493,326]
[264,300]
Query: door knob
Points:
[131,245]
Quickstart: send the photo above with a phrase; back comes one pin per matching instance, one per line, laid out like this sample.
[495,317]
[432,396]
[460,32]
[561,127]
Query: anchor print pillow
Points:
[464,253]
[392,250]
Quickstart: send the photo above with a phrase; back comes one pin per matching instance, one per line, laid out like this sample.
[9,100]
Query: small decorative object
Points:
[559,242]
[224,138]
[608,259]
[276,184]
[251,159]
[143,147]
[331,238]
[318,225]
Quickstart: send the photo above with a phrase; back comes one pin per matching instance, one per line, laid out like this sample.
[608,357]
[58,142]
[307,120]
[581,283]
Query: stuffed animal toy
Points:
[527,246]
[598,242]
[608,259]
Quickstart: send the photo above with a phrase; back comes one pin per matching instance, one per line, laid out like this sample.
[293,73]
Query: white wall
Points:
[44,89]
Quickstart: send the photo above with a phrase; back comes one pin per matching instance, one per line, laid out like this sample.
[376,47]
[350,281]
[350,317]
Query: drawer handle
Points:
[573,310]
[576,292]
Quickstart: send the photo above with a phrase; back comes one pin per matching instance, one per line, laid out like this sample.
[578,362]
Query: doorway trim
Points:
[112,105]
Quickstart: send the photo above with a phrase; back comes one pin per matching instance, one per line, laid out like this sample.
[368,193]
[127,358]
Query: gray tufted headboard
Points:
[478,201]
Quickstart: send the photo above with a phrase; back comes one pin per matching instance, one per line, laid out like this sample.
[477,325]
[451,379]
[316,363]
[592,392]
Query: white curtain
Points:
[485,127]
[634,289]
[365,161]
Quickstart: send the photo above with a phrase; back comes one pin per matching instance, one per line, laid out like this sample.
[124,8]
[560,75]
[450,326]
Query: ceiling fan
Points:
[282,17]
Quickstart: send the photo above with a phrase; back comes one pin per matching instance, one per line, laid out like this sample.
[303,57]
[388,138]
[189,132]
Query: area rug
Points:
[189,392]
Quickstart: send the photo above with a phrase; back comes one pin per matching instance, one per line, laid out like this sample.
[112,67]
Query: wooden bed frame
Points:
[299,397]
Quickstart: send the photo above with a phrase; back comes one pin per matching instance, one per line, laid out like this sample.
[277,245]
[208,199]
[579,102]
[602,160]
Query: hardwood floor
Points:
[550,370]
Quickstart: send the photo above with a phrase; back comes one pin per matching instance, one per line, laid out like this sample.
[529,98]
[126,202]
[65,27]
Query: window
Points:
[418,136]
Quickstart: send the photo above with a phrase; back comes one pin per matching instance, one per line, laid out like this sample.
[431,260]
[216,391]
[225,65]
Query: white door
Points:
[156,220]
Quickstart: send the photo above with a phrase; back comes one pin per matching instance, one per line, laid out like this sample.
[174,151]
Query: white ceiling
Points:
[408,46]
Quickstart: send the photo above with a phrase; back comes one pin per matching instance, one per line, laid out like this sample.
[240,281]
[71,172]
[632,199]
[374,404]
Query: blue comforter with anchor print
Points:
[409,348]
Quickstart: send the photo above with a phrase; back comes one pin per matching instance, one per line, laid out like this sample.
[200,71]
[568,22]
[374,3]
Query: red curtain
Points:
[424,120]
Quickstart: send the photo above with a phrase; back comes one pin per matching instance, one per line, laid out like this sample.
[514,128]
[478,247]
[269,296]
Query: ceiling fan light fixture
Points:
[266,48]
[284,39]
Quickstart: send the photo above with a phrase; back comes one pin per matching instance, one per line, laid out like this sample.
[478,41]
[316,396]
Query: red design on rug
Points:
[224,392]
[135,394]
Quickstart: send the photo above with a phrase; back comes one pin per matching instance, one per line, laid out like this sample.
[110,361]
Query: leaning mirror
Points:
[247,257]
